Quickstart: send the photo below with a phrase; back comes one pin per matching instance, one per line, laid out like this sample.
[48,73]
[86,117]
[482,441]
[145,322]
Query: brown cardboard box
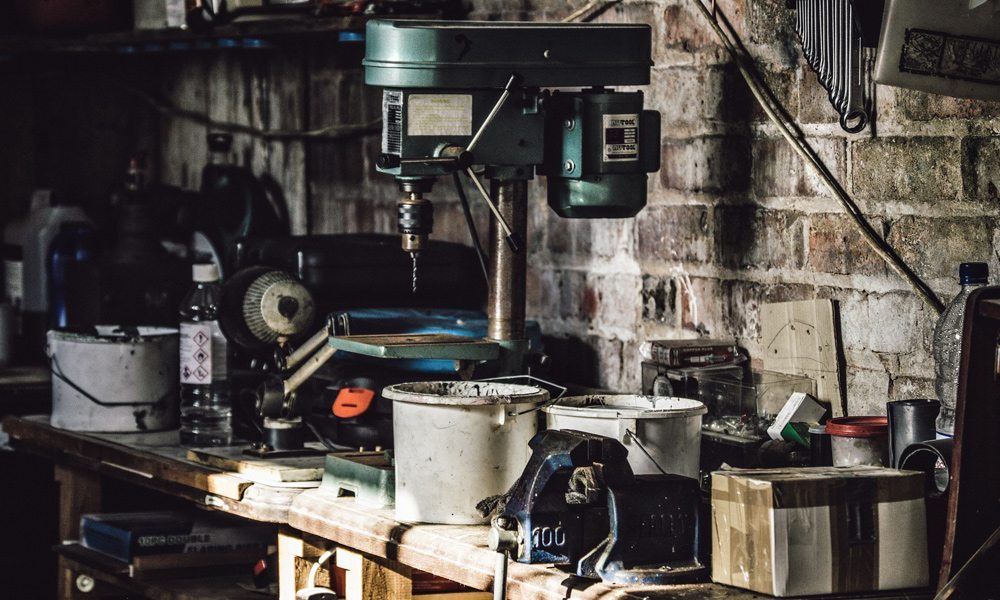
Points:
[818,530]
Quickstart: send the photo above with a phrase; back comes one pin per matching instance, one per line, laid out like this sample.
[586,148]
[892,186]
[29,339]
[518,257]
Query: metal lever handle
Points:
[513,240]
[514,81]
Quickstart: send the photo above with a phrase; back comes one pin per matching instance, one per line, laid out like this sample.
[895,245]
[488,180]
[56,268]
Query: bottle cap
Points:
[973,273]
[203,273]
[220,142]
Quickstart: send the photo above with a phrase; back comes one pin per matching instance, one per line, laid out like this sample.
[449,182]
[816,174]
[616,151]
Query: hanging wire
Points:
[589,10]
[747,68]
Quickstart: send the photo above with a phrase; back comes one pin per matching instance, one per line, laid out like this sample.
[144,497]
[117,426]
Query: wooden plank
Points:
[161,466]
[217,587]
[800,338]
[458,553]
[79,493]
[296,469]
[372,578]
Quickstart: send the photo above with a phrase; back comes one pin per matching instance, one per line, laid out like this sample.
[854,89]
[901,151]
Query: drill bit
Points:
[413,256]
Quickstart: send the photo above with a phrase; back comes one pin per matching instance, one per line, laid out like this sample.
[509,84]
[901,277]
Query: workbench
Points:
[380,555]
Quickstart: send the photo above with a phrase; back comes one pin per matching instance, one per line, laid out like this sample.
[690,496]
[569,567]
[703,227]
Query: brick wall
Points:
[735,220]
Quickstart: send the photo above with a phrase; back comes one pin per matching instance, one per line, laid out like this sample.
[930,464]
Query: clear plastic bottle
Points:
[948,344]
[205,407]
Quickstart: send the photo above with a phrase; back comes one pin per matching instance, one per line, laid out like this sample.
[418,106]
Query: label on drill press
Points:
[439,114]
[392,122]
[621,137]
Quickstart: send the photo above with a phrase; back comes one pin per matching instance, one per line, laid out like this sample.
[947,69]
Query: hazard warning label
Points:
[196,352]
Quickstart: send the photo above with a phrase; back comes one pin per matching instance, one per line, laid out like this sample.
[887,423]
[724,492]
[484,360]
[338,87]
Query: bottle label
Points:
[13,284]
[220,354]
[196,352]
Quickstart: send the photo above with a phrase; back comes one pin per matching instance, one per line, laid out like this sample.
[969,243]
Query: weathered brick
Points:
[694,97]
[981,167]
[772,24]
[814,101]
[836,246]
[778,171]
[934,247]
[909,388]
[706,164]
[742,301]
[674,233]
[894,322]
[577,298]
[922,169]
[699,305]
[867,392]
[921,106]
[686,31]
[659,298]
[543,293]
[748,236]
[568,236]
[618,301]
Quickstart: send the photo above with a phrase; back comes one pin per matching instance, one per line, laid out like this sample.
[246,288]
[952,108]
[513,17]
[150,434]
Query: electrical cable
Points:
[314,570]
[480,253]
[333,132]
[761,92]
[589,10]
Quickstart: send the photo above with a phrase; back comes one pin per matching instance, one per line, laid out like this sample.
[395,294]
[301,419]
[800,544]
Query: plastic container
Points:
[948,344]
[658,431]
[206,412]
[458,442]
[114,379]
[859,441]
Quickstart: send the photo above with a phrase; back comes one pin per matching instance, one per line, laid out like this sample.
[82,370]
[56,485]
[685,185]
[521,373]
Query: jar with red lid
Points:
[859,441]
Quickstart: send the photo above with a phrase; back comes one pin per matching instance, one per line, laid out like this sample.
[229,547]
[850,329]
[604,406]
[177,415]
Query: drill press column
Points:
[507,268]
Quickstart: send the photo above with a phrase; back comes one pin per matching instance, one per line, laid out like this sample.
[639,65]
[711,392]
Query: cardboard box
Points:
[820,530]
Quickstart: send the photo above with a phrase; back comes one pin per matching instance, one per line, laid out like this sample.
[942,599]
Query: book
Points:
[691,353]
[125,536]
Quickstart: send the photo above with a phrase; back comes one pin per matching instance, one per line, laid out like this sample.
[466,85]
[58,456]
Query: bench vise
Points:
[578,503]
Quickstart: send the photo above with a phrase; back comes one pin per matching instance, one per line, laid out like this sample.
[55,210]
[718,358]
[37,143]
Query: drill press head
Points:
[462,93]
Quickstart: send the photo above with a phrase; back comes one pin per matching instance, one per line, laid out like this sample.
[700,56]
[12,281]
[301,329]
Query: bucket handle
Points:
[626,429]
[58,374]
[635,438]
[549,402]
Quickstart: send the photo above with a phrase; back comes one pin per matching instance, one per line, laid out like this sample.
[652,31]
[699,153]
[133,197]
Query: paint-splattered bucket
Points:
[114,379]
[458,442]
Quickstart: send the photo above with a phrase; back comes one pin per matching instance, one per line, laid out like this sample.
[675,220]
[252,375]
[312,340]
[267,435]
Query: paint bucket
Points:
[659,432]
[859,441]
[114,379]
[458,442]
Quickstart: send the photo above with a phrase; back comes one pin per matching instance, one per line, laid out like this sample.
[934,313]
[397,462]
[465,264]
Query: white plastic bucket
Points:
[668,429]
[456,443]
[111,380]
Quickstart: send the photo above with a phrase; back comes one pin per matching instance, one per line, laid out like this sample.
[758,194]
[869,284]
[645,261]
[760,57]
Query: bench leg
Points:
[79,493]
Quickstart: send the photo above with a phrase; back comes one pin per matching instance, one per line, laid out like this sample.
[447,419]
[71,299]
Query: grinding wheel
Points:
[261,306]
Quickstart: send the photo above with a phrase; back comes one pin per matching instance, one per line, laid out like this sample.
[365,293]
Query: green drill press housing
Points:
[441,80]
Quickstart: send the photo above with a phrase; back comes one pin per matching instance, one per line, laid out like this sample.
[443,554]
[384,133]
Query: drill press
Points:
[507,100]
[473,97]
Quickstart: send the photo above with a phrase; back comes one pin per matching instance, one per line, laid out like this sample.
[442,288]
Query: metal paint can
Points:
[114,378]
[458,442]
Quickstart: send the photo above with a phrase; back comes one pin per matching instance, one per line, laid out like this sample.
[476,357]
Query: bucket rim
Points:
[112,334]
[512,393]
[597,406]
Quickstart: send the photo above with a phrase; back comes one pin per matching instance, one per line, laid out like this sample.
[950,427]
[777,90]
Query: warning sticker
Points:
[439,114]
[392,122]
[621,137]
[196,352]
